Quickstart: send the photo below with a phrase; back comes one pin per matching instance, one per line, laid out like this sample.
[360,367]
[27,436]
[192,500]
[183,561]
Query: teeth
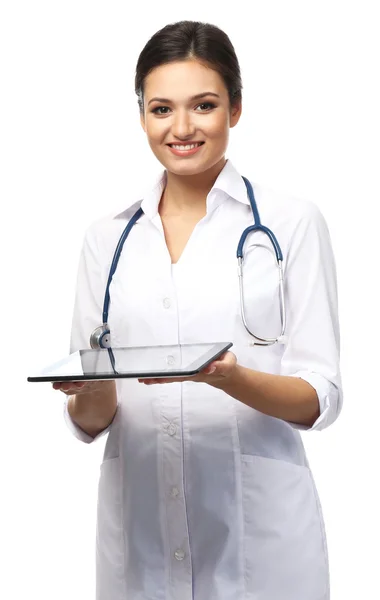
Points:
[188,147]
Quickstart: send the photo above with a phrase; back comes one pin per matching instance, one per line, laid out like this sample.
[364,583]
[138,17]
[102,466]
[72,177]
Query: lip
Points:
[186,152]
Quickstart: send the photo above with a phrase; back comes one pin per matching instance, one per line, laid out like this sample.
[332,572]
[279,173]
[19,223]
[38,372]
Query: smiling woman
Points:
[205,490]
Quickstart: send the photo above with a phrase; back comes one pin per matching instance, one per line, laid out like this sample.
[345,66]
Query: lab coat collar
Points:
[229,181]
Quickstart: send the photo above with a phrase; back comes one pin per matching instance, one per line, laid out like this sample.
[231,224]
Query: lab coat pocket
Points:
[284,541]
[109,538]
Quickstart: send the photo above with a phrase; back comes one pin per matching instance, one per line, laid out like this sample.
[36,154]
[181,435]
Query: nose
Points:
[183,126]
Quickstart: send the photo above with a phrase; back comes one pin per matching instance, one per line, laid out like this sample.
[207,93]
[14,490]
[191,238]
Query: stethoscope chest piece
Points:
[101,337]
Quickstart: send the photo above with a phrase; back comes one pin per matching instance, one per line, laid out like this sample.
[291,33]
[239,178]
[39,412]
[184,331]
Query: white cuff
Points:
[77,431]
[328,397]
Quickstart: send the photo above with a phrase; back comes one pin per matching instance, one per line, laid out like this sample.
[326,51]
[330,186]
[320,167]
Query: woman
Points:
[205,491]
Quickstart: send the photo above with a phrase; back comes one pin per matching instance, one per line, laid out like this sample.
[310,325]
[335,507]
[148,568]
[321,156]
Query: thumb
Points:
[223,365]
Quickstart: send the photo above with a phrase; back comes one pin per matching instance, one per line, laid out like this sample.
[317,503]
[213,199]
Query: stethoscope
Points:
[101,337]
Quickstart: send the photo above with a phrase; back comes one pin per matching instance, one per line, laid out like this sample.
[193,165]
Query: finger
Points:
[216,363]
[226,366]
[66,389]
[225,358]
[222,365]
[162,380]
[72,387]
[65,385]
[211,368]
[61,385]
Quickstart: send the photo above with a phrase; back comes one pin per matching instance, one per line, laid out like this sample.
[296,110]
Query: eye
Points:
[158,110]
[206,105]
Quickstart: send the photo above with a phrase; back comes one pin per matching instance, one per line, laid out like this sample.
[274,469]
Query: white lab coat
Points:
[200,496]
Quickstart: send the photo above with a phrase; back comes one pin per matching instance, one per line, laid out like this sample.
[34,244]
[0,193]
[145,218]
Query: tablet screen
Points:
[133,362]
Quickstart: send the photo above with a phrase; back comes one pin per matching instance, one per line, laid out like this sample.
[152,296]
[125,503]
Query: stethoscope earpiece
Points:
[101,337]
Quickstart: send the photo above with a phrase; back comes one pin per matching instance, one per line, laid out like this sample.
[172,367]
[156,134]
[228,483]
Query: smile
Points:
[185,149]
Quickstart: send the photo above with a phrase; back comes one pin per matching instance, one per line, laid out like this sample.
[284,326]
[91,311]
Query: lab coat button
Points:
[172,429]
[167,303]
[175,492]
[179,554]
[170,360]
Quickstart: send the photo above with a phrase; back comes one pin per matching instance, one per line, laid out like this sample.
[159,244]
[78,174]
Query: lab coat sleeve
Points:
[87,314]
[312,337]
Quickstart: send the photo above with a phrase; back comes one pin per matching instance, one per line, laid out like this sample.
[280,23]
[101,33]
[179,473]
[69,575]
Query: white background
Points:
[72,150]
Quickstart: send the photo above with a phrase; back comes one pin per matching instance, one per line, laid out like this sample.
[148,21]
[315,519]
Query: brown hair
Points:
[186,40]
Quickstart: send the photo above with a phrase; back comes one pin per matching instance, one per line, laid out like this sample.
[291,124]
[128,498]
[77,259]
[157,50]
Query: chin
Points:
[189,166]
[186,169]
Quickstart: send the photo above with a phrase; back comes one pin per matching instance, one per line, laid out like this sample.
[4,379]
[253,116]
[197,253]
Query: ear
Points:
[235,113]
[142,121]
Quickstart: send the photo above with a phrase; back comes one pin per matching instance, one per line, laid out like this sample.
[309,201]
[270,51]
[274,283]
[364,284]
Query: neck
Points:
[186,194]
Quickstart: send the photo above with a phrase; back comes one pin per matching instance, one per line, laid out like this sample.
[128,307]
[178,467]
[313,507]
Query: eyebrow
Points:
[196,97]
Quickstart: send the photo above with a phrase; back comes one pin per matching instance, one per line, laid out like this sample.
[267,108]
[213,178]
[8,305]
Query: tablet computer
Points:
[183,360]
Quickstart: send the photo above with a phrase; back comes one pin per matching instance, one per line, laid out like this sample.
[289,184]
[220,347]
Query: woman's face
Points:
[186,103]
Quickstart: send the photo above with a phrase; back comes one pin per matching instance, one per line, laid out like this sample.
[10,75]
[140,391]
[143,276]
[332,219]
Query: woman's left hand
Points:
[216,373]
